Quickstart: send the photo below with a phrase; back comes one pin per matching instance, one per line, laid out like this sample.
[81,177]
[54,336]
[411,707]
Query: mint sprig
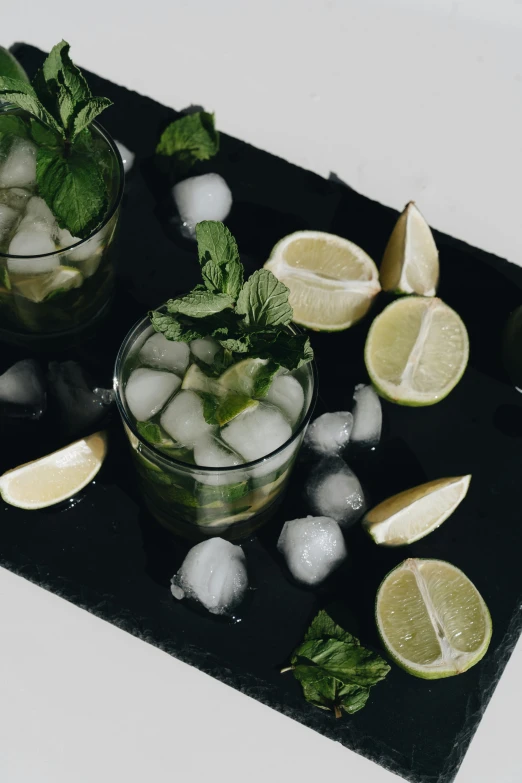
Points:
[62,107]
[335,671]
[189,139]
[249,318]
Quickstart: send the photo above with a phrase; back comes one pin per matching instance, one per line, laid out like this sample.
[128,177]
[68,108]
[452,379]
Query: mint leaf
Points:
[190,138]
[88,112]
[13,125]
[218,254]
[264,301]
[199,304]
[153,433]
[173,329]
[73,189]
[43,135]
[210,407]
[24,97]
[286,349]
[335,671]
[263,378]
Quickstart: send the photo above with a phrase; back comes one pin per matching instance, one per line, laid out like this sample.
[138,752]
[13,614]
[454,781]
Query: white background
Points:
[404,100]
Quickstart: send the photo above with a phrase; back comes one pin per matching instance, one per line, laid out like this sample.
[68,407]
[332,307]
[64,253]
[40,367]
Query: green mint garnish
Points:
[189,139]
[62,107]
[248,318]
[335,671]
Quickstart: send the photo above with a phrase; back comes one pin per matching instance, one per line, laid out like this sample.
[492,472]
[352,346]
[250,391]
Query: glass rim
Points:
[110,213]
[121,405]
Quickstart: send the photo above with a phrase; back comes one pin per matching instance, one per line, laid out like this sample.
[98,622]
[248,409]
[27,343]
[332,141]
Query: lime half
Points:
[432,620]
[38,288]
[332,281]
[412,514]
[410,264]
[416,351]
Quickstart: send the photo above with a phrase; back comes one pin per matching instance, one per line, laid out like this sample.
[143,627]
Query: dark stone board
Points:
[107,555]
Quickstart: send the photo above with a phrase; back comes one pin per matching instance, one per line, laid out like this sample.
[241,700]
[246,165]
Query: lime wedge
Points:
[416,351]
[432,619]
[56,477]
[412,514]
[233,405]
[39,288]
[10,67]
[410,264]
[241,377]
[332,281]
[196,380]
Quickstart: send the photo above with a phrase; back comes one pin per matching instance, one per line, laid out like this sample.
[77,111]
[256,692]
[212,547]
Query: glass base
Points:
[56,341]
[233,530]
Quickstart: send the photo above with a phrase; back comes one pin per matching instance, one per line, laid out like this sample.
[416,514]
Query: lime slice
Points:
[432,619]
[10,67]
[233,405]
[241,377]
[410,264]
[332,282]
[416,351]
[411,515]
[38,288]
[57,476]
[196,380]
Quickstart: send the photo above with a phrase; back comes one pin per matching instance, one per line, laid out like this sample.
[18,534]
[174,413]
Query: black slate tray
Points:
[107,555]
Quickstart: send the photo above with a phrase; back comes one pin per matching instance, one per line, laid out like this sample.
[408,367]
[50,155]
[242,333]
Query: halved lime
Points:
[10,67]
[233,405]
[410,264]
[56,477]
[412,514]
[196,380]
[416,351]
[38,288]
[432,620]
[332,281]
[241,377]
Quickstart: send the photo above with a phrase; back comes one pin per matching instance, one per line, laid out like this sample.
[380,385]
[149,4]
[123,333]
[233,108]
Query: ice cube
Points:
[22,390]
[8,218]
[335,491]
[33,244]
[88,254]
[183,418]
[157,351]
[38,217]
[126,155]
[213,573]
[329,433]
[19,167]
[287,394]
[210,453]
[312,547]
[205,349]
[206,197]
[257,432]
[16,198]
[367,416]
[81,405]
[147,391]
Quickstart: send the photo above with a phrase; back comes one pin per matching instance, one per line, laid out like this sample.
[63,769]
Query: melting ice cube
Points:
[183,418]
[335,491]
[209,452]
[257,432]
[22,390]
[329,433]
[205,349]
[81,406]
[367,416]
[206,197]
[147,391]
[19,168]
[157,351]
[287,394]
[213,573]
[313,548]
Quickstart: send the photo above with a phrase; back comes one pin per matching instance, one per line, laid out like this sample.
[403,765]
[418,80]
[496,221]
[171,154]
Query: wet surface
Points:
[108,555]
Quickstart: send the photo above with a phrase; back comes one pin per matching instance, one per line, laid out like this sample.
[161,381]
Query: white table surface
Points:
[403,100]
